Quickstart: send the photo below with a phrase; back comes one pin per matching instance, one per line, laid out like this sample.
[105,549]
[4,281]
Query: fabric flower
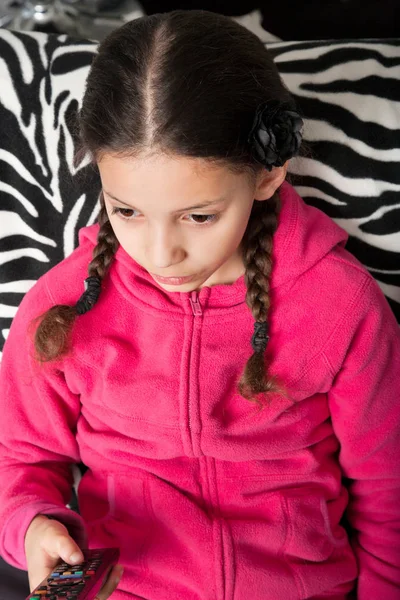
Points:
[276,134]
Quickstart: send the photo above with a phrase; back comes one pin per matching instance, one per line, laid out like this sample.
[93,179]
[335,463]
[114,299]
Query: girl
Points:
[230,376]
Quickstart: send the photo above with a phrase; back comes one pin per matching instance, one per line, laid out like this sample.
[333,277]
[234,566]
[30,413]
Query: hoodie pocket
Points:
[309,534]
[130,525]
[115,509]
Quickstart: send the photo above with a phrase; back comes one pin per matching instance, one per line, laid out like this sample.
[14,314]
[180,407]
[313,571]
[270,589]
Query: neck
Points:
[229,272]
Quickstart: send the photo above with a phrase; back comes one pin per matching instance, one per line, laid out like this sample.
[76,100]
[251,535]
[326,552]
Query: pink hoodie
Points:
[207,497]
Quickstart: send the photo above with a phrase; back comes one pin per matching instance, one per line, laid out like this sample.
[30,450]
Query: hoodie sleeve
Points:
[365,409]
[37,436]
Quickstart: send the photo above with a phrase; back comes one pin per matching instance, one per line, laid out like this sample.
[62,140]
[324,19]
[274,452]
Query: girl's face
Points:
[180,217]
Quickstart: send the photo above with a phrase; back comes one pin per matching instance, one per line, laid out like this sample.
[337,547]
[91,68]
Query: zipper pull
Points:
[195,304]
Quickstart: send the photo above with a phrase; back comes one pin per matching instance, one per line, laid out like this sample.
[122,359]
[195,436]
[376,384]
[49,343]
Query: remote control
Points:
[77,582]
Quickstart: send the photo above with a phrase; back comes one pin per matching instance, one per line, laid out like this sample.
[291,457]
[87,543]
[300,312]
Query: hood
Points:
[305,235]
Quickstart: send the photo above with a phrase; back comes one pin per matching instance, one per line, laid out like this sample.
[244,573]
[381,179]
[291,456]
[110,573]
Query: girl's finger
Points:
[54,543]
[111,583]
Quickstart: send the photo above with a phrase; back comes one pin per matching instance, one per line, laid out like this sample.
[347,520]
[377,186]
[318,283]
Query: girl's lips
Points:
[173,280]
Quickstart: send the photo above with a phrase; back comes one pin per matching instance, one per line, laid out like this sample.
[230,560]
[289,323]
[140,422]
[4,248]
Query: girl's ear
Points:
[269,181]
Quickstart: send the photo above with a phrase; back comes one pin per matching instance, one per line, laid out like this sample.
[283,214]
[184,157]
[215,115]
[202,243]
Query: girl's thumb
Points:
[69,551]
[60,544]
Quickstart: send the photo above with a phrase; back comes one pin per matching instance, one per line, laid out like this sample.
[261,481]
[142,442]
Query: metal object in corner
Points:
[92,19]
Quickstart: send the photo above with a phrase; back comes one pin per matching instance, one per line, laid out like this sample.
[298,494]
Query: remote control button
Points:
[63,583]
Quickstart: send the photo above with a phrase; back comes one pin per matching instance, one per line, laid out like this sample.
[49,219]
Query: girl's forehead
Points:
[179,178]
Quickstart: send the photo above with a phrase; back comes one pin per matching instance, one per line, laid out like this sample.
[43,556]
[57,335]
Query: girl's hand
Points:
[46,541]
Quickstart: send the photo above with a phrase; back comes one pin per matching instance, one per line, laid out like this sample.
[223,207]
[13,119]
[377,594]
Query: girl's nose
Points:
[166,251]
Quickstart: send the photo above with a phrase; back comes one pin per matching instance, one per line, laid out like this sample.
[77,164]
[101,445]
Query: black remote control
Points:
[78,582]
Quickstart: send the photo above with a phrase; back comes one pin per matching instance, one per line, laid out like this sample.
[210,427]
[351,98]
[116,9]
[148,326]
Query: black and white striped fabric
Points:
[348,91]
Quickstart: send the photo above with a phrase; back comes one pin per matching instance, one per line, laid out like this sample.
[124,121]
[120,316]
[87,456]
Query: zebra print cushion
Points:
[347,90]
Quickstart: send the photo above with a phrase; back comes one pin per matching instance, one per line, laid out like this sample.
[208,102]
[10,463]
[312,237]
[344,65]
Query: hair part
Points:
[150,89]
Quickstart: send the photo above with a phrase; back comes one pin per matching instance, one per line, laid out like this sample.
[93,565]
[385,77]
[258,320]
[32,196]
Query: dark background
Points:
[304,20]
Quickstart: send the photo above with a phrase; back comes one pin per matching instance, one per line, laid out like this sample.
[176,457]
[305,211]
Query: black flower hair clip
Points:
[276,134]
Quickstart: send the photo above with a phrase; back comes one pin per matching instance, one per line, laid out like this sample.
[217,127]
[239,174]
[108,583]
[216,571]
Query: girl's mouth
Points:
[173,280]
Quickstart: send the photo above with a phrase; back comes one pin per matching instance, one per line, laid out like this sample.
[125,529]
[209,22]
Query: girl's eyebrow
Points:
[196,207]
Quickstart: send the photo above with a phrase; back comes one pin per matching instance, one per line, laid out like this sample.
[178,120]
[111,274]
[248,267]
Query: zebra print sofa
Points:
[348,90]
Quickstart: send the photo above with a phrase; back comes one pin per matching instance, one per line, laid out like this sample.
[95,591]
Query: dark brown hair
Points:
[183,83]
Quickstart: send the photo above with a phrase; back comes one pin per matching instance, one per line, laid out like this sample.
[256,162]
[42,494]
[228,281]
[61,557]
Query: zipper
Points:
[195,304]
[192,364]
[218,529]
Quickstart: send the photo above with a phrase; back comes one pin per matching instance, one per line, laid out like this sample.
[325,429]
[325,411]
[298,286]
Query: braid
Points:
[257,251]
[106,247]
[51,338]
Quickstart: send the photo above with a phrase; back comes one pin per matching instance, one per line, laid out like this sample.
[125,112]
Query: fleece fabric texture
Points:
[208,497]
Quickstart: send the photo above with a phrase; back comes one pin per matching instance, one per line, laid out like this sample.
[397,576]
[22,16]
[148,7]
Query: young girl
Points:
[230,376]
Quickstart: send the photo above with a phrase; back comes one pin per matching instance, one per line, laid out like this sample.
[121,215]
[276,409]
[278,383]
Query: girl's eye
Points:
[124,213]
[203,219]
[129,214]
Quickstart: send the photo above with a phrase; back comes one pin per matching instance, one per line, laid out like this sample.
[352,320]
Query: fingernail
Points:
[75,557]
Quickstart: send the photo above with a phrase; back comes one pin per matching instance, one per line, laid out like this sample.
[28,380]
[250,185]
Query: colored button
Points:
[91,572]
